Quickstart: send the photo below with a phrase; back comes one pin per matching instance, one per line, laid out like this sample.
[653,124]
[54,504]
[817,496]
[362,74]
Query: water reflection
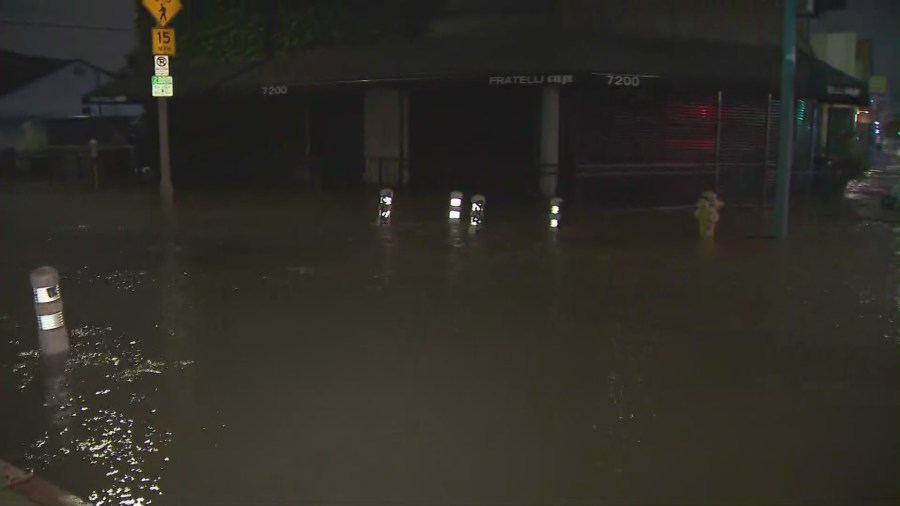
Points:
[387,247]
[121,444]
[58,389]
[455,253]
[510,366]
[125,280]
[176,308]
[707,249]
[105,426]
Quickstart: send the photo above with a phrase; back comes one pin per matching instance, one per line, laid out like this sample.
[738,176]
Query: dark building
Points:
[619,102]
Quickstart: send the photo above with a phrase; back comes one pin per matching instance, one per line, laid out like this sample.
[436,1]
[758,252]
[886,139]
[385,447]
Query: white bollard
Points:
[476,214]
[555,212]
[456,202]
[385,206]
[48,306]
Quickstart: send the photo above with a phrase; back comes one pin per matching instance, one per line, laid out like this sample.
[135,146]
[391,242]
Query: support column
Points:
[386,137]
[823,129]
[786,123]
[549,156]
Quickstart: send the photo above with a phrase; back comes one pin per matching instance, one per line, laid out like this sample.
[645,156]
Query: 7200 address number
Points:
[623,80]
[275,90]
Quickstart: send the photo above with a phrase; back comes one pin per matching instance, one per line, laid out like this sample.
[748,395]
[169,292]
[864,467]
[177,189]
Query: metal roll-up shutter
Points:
[644,148]
[743,148]
[768,187]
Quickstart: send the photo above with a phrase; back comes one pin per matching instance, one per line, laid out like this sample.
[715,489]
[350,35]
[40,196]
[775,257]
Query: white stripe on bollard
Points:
[385,206]
[456,202]
[53,336]
[46,294]
[555,212]
[51,321]
[476,215]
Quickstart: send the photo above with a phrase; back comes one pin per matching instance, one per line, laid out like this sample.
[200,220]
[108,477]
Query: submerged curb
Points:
[36,490]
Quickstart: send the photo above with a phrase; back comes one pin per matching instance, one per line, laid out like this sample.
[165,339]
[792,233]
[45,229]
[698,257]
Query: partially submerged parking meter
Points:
[476,214]
[385,206]
[456,201]
[555,212]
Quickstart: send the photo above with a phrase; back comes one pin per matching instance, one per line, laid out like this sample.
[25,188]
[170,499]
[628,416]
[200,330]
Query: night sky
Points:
[98,31]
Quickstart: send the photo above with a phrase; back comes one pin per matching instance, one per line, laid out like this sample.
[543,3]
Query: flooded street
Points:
[281,348]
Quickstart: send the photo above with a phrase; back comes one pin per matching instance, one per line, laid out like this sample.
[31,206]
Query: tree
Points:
[222,30]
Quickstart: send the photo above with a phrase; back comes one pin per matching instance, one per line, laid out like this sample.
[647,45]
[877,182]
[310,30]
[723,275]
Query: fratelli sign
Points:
[531,80]
[848,91]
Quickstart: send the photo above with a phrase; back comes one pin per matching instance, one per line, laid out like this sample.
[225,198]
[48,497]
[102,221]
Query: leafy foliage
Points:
[222,30]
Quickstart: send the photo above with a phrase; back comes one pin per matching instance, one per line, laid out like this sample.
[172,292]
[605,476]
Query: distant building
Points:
[838,50]
[852,55]
[35,90]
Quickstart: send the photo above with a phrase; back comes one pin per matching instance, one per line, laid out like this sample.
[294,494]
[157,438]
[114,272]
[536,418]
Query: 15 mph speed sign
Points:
[161,65]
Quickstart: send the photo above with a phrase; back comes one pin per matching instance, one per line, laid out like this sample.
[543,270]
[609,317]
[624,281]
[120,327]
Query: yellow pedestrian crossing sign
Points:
[163,10]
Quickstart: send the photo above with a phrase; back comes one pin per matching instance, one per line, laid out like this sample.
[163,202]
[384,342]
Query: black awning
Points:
[710,64]
[431,59]
[832,86]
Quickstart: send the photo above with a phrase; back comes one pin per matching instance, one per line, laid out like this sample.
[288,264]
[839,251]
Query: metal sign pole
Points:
[165,164]
[786,142]
[163,40]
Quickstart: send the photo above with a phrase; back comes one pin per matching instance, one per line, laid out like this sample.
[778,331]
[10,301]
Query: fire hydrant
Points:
[707,214]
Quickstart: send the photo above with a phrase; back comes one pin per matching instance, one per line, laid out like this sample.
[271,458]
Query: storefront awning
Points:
[830,85]
[706,65]
[711,65]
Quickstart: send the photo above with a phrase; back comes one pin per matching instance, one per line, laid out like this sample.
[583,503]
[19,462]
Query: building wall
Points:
[864,59]
[385,138]
[736,21]
[838,50]
[59,95]
[460,17]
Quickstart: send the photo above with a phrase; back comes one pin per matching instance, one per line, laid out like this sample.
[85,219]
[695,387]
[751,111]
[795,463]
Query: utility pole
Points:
[786,140]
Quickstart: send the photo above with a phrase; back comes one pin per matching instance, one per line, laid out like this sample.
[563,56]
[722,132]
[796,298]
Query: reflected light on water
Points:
[122,279]
[122,448]
[112,443]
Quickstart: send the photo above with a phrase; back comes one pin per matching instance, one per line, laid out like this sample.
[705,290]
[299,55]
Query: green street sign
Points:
[162,86]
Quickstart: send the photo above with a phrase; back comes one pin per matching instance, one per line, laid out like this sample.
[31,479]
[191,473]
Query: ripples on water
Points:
[98,415]
[122,280]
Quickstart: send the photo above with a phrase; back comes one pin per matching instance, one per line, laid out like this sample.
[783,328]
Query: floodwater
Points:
[281,348]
